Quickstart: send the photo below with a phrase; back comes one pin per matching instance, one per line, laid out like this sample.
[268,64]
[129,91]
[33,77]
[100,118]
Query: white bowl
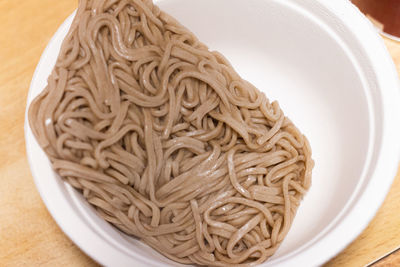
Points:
[325,64]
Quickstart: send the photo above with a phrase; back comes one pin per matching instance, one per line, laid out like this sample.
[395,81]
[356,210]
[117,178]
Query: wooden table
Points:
[28,234]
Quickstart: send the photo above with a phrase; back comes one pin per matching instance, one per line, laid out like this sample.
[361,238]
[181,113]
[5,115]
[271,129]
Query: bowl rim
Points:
[387,154]
[372,194]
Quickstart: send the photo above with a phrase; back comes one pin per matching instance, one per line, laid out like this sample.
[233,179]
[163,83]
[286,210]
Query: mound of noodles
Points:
[165,139]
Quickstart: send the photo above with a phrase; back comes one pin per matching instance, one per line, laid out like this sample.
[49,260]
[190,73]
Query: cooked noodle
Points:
[165,139]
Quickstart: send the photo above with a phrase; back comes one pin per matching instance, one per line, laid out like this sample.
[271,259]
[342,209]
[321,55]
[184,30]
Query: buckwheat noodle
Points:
[165,139]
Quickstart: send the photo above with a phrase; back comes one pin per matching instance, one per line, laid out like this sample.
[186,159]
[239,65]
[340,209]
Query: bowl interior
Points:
[292,56]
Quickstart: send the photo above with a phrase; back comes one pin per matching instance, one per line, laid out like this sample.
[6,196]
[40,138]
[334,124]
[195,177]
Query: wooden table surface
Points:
[28,234]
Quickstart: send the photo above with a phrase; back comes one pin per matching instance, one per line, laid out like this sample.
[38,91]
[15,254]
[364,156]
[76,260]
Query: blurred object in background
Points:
[384,14]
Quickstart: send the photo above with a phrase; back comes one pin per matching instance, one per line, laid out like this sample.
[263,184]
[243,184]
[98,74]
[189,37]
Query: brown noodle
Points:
[165,139]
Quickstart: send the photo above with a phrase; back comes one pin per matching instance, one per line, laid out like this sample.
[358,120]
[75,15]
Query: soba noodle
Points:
[165,139]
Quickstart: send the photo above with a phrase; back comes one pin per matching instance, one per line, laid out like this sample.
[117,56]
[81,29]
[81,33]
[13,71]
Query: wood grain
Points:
[28,234]
[392,259]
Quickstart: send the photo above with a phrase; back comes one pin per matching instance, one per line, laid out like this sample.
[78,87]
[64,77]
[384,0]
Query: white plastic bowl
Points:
[325,64]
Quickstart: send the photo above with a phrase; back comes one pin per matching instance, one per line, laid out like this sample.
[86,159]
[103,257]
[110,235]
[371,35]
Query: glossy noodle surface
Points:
[167,141]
